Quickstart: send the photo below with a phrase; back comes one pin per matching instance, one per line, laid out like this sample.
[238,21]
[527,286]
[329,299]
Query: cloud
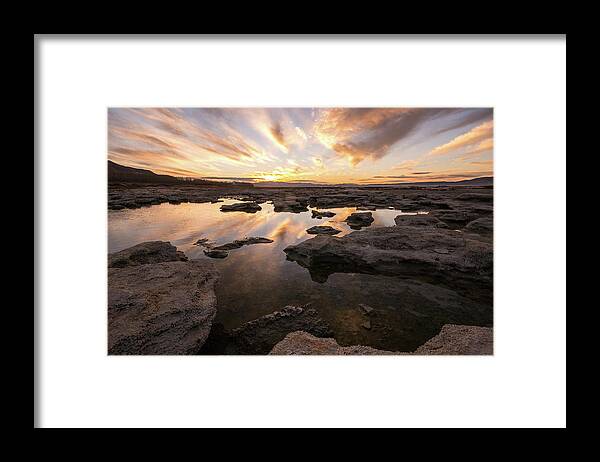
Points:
[475,141]
[278,137]
[367,133]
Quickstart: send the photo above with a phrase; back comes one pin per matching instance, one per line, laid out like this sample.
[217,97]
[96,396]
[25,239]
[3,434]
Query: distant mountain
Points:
[481,181]
[121,174]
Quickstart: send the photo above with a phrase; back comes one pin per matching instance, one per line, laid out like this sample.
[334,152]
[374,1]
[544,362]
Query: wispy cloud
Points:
[475,141]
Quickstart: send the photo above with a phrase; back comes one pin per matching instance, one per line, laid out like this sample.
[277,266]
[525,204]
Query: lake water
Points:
[257,279]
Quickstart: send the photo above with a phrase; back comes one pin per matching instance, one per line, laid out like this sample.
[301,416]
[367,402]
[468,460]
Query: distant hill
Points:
[120,173]
[481,181]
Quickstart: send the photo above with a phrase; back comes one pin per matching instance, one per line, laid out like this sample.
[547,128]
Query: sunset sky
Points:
[322,145]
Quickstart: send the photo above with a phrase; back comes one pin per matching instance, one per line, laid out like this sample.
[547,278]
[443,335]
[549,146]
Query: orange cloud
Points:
[476,141]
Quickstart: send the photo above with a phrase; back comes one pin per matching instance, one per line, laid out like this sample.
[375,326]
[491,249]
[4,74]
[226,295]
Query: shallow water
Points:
[257,279]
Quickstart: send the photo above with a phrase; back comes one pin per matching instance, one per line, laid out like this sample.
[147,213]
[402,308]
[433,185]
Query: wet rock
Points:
[293,205]
[360,219]
[478,197]
[248,207]
[366,325]
[456,218]
[160,308]
[216,253]
[405,251]
[366,309]
[242,242]
[322,230]
[259,336]
[483,225]
[303,343]
[459,340]
[202,242]
[145,253]
[419,220]
[318,214]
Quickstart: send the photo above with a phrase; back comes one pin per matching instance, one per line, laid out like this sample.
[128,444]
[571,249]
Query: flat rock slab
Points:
[323,230]
[433,254]
[483,225]
[238,243]
[318,214]
[248,207]
[160,308]
[216,253]
[420,219]
[459,340]
[145,253]
[303,343]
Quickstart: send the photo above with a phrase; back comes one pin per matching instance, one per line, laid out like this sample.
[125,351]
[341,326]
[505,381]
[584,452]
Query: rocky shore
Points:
[161,303]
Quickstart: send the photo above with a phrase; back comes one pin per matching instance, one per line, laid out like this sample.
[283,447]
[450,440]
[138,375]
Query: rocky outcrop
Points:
[323,230]
[145,253]
[248,207]
[290,204]
[359,220]
[260,335]
[452,340]
[420,219]
[459,340]
[318,214]
[303,343]
[160,307]
[426,253]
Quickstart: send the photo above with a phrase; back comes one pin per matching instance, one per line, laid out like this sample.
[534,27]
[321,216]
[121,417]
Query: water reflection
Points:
[257,279]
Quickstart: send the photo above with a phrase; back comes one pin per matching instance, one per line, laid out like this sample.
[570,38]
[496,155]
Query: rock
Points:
[483,225]
[145,253]
[216,253]
[260,335]
[456,218]
[303,343]
[360,219]
[160,308]
[242,242]
[366,309]
[248,207]
[201,242]
[420,219]
[478,197]
[459,340]
[366,325]
[405,251]
[290,204]
[318,214]
[322,230]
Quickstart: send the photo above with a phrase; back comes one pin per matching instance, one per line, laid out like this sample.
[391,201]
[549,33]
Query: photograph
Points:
[300,231]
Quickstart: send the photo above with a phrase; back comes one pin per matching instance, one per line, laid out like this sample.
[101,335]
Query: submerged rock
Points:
[459,340]
[260,335]
[318,214]
[144,253]
[366,309]
[216,253]
[303,343]
[322,230]
[242,242]
[162,308]
[248,207]
[360,219]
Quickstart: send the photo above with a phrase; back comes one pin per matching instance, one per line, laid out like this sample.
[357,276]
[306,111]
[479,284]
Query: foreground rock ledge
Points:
[160,308]
[452,340]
